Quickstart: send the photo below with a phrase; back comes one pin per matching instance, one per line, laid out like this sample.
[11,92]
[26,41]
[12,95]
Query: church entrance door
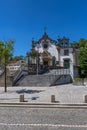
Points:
[45,63]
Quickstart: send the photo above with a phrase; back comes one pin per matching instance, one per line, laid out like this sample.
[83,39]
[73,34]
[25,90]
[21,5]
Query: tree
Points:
[81,43]
[15,58]
[6,53]
[32,55]
[82,55]
[83,60]
[1,50]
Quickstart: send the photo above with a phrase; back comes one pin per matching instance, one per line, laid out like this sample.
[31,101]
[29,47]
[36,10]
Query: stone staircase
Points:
[62,79]
[47,77]
[43,80]
[34,80]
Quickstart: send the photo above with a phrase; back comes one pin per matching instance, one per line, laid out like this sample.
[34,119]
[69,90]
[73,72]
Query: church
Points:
[51,62]
[57,54]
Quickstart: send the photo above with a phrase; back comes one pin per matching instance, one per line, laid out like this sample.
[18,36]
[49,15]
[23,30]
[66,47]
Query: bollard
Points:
[52,98]
[21,98]
[85,98]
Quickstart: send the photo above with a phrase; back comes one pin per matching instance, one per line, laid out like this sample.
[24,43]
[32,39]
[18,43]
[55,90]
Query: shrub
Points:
[78,79]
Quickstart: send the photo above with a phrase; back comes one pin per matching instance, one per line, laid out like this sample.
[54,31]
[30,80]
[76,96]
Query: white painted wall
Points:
[51,49]
[70,56]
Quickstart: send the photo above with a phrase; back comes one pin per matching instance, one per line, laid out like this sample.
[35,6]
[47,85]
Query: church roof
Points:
[44,38]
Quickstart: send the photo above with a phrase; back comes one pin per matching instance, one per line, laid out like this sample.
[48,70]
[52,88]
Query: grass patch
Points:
[78,79]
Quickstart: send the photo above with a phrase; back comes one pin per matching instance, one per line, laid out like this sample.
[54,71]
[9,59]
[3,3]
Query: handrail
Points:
[17,73]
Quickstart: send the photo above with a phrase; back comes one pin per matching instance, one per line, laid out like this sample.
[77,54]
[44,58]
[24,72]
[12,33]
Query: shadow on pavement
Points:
[29,91]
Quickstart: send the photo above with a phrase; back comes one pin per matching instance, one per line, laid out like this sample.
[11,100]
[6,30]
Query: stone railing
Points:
[60,71]
[63,71]
[16,74]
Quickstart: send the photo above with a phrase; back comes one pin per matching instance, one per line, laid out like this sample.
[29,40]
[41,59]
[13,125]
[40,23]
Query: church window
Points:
[45,46]
[66,52]
[62,44]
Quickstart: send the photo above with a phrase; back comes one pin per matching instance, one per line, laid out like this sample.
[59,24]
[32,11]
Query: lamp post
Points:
[28,63]
[37,58]
[5,79]
[5,71]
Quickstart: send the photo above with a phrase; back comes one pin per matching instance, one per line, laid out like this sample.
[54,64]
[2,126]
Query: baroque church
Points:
[59,54]
[51,63]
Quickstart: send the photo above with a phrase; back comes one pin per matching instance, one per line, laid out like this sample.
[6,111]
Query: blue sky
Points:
[23,20]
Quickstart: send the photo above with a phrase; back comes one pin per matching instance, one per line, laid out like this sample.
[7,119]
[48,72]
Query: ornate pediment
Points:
[46,54]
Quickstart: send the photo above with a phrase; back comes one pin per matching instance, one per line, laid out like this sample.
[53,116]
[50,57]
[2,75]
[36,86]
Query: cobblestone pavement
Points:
[12,118]
[63,94]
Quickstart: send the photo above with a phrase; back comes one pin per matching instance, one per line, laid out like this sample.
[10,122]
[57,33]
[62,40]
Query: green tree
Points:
[83,60]
[32,54]
[15,58]
[6,53]
[82,55]
[81,43]
[1,50]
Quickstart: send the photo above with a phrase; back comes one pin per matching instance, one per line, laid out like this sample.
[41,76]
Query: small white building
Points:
[13,66]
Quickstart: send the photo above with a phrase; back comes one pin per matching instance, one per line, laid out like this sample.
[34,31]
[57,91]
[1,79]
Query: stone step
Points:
[34,80]
[42,80]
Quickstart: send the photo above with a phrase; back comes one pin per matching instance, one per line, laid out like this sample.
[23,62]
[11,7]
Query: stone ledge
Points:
[78,83]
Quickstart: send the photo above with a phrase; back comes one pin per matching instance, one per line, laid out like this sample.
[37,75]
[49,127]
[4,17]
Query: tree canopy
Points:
[6,51]
[16,58]
[32,54]
[83,60]
[81,43]
[82,56]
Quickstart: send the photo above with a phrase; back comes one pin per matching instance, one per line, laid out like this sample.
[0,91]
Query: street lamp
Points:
[5,70]
[37,58]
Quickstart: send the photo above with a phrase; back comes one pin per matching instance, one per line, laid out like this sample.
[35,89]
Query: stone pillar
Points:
[21,98]
[52,98]
[85,98]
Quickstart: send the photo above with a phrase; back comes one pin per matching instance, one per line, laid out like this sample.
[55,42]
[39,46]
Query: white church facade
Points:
[56,53]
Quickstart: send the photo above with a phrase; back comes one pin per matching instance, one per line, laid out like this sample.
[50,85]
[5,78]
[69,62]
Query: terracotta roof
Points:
[13,62]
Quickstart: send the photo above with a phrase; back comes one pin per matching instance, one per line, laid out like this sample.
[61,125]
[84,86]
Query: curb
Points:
[45,105]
